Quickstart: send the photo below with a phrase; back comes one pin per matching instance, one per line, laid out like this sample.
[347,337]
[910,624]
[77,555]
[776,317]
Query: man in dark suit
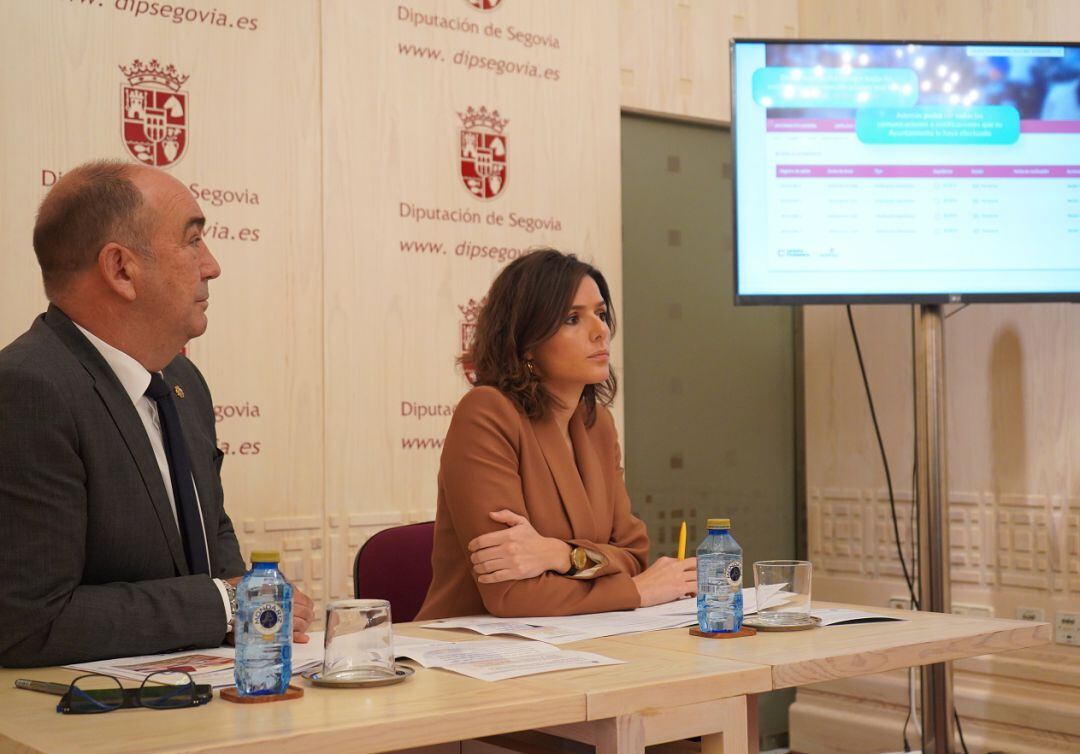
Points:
[114,539]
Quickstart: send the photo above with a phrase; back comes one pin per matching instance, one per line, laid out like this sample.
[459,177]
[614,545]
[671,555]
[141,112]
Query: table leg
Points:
[620,735]
[753,743]
[721,723]
[733,737]
[624,734]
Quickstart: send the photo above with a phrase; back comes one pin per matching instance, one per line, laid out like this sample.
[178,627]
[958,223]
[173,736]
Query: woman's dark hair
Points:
[526,305]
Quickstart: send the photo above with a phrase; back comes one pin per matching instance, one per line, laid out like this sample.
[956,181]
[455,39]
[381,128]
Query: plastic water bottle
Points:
[263,628]
[719,579]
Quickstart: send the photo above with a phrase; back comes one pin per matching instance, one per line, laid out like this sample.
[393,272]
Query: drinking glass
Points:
[782,589]
[359,642]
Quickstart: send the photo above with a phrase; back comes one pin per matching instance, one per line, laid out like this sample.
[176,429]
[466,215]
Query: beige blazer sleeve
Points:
[493,458]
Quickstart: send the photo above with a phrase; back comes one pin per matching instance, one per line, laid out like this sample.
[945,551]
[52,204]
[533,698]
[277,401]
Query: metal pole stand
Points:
[934,592]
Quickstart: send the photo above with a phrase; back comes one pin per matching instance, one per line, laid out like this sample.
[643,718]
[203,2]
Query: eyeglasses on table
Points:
[95,693]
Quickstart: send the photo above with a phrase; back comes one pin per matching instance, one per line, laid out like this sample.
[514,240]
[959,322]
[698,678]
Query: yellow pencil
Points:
[682,541]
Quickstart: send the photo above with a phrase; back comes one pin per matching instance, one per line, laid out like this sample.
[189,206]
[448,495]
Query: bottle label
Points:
[267,619]
[734,573]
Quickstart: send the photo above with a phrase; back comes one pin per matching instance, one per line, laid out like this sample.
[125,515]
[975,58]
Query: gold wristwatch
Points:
[579,560]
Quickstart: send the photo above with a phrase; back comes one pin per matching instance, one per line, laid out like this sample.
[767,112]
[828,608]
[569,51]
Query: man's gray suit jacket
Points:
[91,562]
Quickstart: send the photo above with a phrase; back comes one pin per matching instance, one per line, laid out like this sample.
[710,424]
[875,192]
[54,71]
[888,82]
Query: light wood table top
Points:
[654,678]
[431,707]
[651,677]
[827,653]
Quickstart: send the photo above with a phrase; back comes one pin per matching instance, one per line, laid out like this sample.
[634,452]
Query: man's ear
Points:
[119,266]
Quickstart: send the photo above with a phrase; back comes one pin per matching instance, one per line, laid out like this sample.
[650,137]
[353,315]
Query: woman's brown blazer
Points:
[495,457]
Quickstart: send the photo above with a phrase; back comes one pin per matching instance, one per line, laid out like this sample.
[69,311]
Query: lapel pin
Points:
[179,391]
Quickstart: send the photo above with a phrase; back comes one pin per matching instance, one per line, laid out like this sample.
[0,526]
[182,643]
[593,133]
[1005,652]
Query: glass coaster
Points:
[782,621]
[361,677]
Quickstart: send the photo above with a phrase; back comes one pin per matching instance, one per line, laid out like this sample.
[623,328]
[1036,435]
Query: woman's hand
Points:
[667,579]
[517,552]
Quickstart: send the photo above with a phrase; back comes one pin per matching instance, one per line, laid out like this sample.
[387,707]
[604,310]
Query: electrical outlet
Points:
[1031,613]
[899,603]
[1067,628]
[975,611]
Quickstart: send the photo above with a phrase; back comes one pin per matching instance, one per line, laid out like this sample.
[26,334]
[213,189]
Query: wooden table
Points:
[801,658]
[672,686]
[434,706]
[431,707]
[658,696]
[798,658]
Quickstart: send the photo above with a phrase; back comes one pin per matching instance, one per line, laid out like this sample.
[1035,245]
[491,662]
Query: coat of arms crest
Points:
[483,152]
[154,113]
[470,313]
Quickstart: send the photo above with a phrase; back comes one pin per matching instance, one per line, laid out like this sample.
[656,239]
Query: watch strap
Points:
[230,590]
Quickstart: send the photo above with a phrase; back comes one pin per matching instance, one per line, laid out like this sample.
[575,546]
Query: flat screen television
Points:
[924,172]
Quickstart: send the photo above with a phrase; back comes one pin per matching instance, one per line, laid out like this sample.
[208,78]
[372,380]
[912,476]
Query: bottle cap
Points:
[719,523]
[265,556]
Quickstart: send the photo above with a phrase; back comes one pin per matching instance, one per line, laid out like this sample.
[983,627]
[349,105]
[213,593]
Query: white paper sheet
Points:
[685,606]
[565,629]
[498,669]
[570,628]
[835,616]
[486,660]
[495,659]
[447,654]
[211,666]
[772,595]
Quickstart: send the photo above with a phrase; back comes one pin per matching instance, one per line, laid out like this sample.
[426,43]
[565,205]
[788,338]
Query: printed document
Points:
[495,659]
[569,628]
[210,666]
[835,616]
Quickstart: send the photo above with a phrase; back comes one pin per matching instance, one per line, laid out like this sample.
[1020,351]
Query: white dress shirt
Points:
[135,379]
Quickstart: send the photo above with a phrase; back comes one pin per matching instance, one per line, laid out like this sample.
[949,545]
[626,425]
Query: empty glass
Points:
[359,643]
[782,589]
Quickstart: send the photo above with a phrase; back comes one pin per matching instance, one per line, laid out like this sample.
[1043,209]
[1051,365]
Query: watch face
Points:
[579,558]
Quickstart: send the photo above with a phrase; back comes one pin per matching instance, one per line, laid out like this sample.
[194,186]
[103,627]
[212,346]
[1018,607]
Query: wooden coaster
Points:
[745,631]
[230,694]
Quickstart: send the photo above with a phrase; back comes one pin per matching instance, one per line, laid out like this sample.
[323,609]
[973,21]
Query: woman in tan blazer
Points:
[533,517]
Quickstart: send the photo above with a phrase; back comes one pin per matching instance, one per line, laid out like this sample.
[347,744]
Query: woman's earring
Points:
[530,366]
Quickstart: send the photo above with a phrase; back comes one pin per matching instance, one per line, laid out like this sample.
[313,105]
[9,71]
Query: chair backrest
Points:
[395,565]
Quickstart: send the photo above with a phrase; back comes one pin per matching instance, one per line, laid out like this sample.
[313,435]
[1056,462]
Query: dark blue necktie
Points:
[187,507]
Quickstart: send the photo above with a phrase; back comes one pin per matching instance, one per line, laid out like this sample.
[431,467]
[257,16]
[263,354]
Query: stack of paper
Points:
[486,660]
[491,660]
[569,628]
[210,666]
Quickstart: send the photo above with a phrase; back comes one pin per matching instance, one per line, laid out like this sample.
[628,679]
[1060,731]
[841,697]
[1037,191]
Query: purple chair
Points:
[395,565]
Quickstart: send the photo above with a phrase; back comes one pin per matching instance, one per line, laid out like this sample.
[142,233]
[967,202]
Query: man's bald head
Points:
[90,206]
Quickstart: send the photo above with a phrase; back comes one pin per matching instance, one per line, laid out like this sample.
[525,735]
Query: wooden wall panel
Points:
[400,287]
[673,54]
[384,84]
[252,159]
[397,75]
[1013,434]
[1020,20]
